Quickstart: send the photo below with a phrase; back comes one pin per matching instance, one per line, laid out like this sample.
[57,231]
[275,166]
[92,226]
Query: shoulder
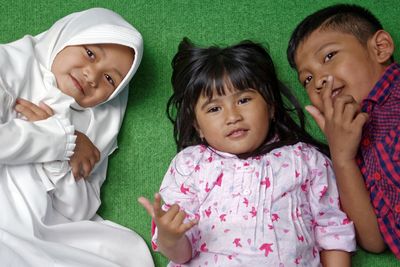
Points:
[301,152]
[188,159]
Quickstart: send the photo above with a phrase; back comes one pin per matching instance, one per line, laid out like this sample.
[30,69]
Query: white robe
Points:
[47,218]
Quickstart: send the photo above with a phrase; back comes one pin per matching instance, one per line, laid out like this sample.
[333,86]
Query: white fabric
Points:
[47,218]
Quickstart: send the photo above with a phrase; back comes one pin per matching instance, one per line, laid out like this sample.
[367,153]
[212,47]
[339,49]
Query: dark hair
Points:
[246,65]
[346,18]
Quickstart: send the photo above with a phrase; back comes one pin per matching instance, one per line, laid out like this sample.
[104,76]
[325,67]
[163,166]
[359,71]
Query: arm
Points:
[42,138]
[172,241]
[342,125]
[335,258]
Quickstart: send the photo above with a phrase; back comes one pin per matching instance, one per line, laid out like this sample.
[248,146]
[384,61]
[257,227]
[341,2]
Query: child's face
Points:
[237,122]
[353,66]
[91,73]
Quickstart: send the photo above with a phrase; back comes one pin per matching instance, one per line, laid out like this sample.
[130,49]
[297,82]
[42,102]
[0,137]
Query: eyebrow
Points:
[103,52]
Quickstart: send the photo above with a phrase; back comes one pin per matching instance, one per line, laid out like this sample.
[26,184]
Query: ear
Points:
[382,45]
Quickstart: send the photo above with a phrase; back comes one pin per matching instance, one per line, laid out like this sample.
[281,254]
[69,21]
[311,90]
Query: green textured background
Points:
[146,144]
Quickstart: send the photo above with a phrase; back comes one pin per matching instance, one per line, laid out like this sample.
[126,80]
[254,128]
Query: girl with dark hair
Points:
[249,186]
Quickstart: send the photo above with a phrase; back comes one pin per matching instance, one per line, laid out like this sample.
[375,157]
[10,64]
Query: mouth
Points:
[237,133]
[336,92]
[77,84]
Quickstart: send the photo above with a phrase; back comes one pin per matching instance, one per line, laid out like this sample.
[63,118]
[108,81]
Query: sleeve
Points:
[179,187]
[333,230]
[24,142]
[74,199]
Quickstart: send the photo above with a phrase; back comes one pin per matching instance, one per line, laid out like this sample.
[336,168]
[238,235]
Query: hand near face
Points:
[171,227]
[341,122]
[33,112]
[85,156]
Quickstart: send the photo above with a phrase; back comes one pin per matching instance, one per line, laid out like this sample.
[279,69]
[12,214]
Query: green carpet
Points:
[146,144]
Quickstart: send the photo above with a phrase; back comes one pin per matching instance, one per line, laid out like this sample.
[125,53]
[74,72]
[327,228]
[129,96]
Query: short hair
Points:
[352,19]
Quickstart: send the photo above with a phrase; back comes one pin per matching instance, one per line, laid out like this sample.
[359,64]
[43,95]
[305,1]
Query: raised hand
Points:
[171,228]
[341,121]
[33,112]
[85,156]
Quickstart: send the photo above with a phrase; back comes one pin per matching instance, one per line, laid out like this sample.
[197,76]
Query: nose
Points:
[320,82]
[91,75]
[233,115]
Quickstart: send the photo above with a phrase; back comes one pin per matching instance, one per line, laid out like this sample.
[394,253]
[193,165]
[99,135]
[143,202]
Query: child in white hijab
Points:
[79,68]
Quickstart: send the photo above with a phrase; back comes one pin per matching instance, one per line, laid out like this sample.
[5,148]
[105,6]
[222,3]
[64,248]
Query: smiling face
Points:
[91,73]
[355,68]
[237,122]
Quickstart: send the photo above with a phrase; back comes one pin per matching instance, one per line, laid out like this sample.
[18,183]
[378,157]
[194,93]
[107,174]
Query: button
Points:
[377,176]
[366,142]
[397,208]
[246,192]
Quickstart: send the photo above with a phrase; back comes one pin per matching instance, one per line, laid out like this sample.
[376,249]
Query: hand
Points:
[33,112]
[341,122]
[85,156]
[170,224]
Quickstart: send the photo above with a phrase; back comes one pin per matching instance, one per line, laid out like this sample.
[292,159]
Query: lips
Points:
[77,84]
[336,92]
[237,133]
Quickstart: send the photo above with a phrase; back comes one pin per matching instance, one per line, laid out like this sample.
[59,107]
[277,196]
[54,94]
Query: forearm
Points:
[180,252]
[332,258]
[24,142]
[355,201]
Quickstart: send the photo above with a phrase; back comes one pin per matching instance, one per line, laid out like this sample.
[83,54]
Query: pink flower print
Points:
[249,241]
[253,212]
[203,247]
[277,154]
[257,174]
[230,257]
[184,189]
[208,212]
[321,213]
[300,238]
[194,239]
[202,148]
[323,191]
[245,164]
[197,168]
[297,260]
[266,182]
[236,242]
[275,217]
[210,159]
[314,252]
[222,217]
[331,200]
[346,221]
[270,226]
[246,202]
[296,173]
[219,179]
[286,231]
[257,157]
[267,248]
[285,165]
[227,231]
[304,186]
[207,189]
[326,164]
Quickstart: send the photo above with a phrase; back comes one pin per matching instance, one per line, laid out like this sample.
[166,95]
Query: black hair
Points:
[203,71]
[346,18]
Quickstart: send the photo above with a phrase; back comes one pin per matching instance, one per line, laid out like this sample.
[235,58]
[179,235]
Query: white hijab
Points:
[26,63]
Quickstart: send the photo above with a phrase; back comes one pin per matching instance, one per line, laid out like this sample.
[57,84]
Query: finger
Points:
[147,205]
[327,97]
[361,119]
[342,103]
[158,212]
[187,226]
[317,116]
[76,168]
[86,168]
[97,154]
[46,108]
[351,110]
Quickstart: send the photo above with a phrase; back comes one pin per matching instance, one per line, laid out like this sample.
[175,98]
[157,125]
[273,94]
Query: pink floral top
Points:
[279,209]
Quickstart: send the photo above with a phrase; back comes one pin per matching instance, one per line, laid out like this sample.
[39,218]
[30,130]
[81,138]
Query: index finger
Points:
[158,212]
[327,97]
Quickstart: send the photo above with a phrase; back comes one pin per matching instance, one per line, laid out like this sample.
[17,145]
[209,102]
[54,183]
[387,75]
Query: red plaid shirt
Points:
[379,154]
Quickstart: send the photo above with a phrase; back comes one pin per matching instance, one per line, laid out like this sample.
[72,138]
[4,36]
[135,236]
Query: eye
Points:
[90,53]
[329,56]
[109,79]
[213,109]
[307,80]
[244,100]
